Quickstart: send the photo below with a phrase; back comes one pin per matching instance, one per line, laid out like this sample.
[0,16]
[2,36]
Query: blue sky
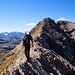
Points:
[23,15]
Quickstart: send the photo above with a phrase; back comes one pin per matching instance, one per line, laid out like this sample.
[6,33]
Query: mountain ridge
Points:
[53,52]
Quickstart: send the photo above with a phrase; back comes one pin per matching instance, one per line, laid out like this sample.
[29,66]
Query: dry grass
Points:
[9,60]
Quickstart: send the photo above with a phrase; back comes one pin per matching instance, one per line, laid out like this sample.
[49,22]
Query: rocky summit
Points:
[53,52]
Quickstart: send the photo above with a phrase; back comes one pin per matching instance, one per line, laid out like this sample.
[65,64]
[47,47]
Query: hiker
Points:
[26,43]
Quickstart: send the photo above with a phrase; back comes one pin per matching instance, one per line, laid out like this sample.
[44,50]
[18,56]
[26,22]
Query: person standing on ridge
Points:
[26,43]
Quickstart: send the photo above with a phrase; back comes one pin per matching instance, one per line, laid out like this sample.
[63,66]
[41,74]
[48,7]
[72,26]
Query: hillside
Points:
[53,52]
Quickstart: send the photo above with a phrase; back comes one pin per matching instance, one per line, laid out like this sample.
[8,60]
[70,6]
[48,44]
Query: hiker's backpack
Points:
[26,39]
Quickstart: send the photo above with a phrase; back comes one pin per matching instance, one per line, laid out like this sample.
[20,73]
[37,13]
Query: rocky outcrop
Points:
[53,53]
[69,28]
[53,37]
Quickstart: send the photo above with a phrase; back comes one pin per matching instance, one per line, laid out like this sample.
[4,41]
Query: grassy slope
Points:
[9,58]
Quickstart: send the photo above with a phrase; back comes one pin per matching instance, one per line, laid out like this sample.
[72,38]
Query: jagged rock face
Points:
[52,36]
[68,27]
[52,53]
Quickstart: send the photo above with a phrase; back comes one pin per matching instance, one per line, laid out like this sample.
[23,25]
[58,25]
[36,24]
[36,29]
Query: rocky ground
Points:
[42,62]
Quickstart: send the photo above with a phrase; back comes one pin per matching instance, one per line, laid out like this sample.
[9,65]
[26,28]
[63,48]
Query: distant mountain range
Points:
[11,35]
[9,41]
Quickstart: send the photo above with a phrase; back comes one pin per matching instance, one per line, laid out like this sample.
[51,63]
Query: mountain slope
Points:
[53,53]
